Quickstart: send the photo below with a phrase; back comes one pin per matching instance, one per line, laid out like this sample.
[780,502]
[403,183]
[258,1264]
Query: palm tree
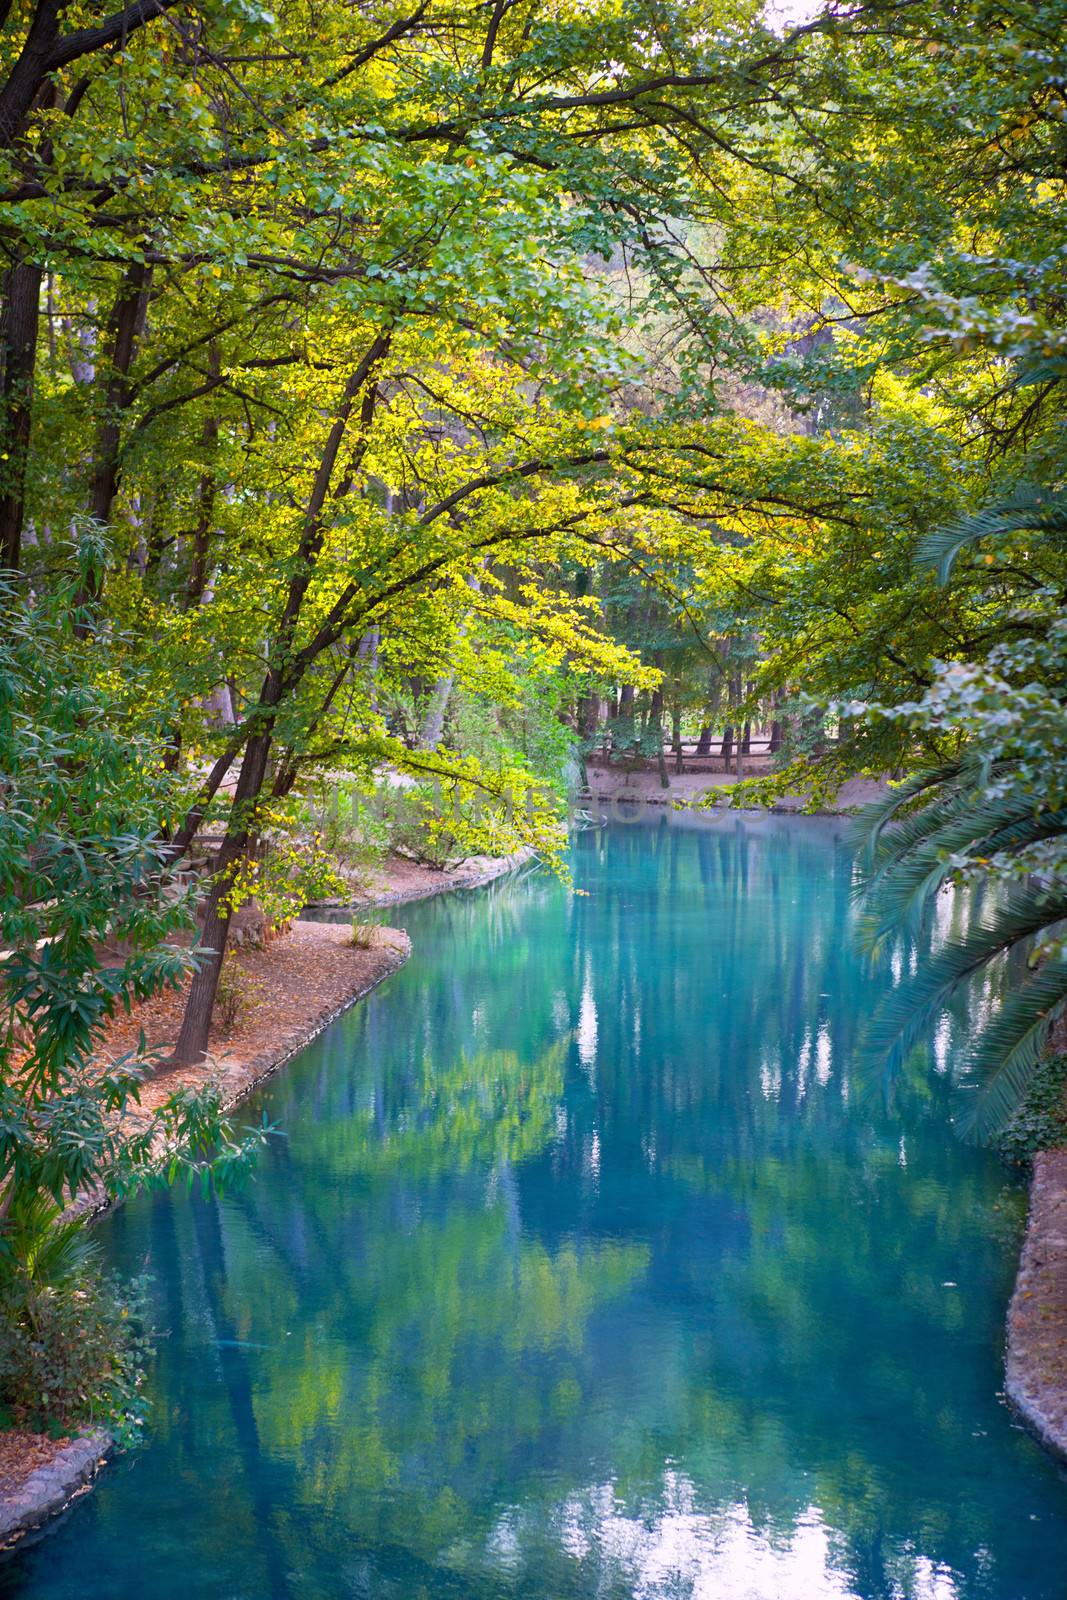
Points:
[982,815]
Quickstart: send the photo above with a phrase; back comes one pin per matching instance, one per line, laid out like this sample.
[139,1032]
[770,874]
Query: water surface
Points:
[584,1270]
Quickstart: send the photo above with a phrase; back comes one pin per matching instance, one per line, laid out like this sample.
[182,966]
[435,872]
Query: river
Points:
[587,1266]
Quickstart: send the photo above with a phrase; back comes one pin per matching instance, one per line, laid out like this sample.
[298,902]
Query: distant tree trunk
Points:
[726,749]
[655,724]
[676,736]
[126,324]
[744,744]
[205,503]
[433,721]
[18,354]
[643,732]
[587,715]
[218,706]
[778,724]
[124,327]
[736,695]
[704,742]
[368,655]
[626,715]
[81,347]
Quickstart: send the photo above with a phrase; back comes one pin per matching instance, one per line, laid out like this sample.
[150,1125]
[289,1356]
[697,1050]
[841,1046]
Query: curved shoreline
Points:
[1036,1363]
[69,1472]
[51,1487]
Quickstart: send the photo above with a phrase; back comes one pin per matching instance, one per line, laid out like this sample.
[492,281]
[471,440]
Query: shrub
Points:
[74,1355]
[1040,1123]
[349,830]
[235,997]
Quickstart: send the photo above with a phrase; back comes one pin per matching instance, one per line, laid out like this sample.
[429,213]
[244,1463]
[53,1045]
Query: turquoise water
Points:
[585,1270]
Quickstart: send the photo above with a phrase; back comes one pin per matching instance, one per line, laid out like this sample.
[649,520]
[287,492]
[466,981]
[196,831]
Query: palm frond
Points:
[1051,369]
[1029,509]
[871,821]
[1008,1050]
[907,1014]
[999,828]
[50,1251]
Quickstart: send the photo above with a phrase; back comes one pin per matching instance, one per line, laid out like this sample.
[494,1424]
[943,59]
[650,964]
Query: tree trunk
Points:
[124,327]
[218,706]
[196,1023]
[655,723]
[626,715]
[18,352]
[726,749]
[433,721]
[588,715]
[736,696]
[27,74]
[368,657]
[704,742]
[205,499]
[281,680]
[127,321]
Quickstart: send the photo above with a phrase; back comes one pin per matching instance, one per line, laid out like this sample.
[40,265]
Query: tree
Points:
[990,823]
[87,917]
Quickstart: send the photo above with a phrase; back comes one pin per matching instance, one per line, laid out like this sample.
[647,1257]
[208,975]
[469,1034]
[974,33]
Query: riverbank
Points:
[288,991]
[49,1476]
[1036,1368]
[284,993]
[400,880]
[293,988]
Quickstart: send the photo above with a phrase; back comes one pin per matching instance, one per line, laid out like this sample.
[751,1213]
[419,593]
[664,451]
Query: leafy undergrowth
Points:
[1041,1121]
[74,1356]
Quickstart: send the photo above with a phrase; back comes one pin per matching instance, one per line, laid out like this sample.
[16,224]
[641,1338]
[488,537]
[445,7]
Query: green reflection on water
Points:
[585,1270]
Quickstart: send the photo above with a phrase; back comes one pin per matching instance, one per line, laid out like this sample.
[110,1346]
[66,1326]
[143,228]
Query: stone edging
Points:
[1036,1367]
[53,1486]
[246,1076]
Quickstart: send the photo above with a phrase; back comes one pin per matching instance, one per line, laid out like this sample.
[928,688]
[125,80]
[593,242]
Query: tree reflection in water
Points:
[587,1269]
